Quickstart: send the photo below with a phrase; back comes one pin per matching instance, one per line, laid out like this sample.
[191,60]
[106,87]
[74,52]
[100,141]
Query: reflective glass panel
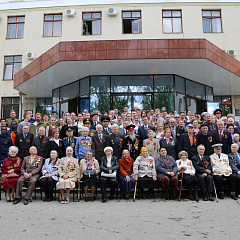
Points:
[195,89]
[164,100]
[84,86]
[216,25]
[69,91]
[120,102]
[180,84]
[100,102]
[163,83]
[167,25]
[206,25]
[180,103]
[177,25]
[131,84]
[209,93]
[100,84]
[55,94]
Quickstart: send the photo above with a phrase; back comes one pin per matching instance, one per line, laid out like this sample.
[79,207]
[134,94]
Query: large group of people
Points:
[135,148]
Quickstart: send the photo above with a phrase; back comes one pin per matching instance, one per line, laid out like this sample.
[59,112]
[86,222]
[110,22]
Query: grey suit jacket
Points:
[41,147]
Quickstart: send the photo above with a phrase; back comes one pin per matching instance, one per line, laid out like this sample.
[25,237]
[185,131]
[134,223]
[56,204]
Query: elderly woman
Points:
[152,144]
[230,128]
[50,175]
[10,172]
[189,177]
[125,176]
[88,173]
[236,140]
[55,143]
[169,143]
[145,172]
[167,173]
[67,170]
[109,167]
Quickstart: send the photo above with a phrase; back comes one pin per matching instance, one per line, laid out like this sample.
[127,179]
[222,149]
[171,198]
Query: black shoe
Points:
[16,201]
[221,195]
[166,198]
[205,198]
[49,199]
[104,200]
[211,197]
[111,197]
[25,202]
[196,198]
[191,197]
[92,199]
[86,199]
[45,199]
[233,196]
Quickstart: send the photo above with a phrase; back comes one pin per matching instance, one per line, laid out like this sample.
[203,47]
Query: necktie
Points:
[100,137]
[95,124]
[238,158]
[219,156]
[24,135]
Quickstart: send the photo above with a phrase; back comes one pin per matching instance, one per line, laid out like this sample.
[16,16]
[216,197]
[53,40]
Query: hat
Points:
[94,114]
[218,145]
[190,125]
[87,120]
[176,116]
[105,119]
[108,148]
[69,129]
[204,125]
[217,111]
[130,127]
[144,148]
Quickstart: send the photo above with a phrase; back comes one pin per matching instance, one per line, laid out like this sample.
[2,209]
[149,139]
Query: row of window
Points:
[131,23]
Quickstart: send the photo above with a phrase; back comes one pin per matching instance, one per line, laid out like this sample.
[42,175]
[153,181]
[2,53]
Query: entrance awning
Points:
[195,59]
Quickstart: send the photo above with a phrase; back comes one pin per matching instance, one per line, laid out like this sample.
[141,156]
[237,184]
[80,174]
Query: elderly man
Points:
[12,118]
[24,142]
[99,142]
[132,142]
[177,131]
[30,172]
[221,169]
[123,132]
[234,161]
[83,144]
[115,141]
[40,142]
[37,124]
[224,137]
[203,167]
[5,144]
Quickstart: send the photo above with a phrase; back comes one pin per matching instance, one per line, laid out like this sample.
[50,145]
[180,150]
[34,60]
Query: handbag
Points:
[12,175]
[109,175]
[89,174]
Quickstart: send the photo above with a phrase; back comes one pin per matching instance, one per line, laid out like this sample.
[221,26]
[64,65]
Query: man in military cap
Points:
[132,142]
[105,122]
[218,114]
[206,138]
[95,121]
[69,141]
[87,122]
[221,168]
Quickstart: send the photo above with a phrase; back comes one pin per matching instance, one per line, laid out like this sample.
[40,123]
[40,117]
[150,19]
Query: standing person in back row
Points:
[143,130]
[37,124]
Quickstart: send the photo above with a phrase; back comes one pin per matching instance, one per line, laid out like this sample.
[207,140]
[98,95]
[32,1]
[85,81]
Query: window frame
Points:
[171,17]
[211,18]
[5,64]
[132,18]
[52,21]
[9,23]
[12,104]
[92,19]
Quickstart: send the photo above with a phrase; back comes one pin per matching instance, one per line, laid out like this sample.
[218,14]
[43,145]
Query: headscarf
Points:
[128,159]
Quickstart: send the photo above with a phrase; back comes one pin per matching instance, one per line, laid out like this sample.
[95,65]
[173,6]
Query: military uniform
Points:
[69,142]
[133,147]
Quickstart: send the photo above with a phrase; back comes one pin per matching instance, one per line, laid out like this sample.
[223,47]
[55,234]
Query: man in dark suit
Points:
[177,131]
[203,167]
[24,142]
[95,121]
[224,137]
[143,130]
[115,141]
[188,142]
[40,142]
[123,131]
[30,171]
[206,138]
[99,141]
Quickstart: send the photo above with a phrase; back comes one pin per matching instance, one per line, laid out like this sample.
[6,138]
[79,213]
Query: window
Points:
[212,21]
[92,23]
[9,104]
[44,105]
[12,64]
[172,21]
[15,27]
[52,25]
[131,22]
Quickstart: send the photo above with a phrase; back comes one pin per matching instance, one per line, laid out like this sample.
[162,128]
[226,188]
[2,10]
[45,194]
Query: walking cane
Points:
[135,189]
[181,186]
[215,191]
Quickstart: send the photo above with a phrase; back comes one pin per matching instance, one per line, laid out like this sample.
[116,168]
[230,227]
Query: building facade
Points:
[73,55]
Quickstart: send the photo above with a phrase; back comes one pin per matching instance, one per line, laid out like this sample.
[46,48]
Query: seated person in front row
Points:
[50,175]
[67,171]
[167,173]
[145,172]
[89,177]
[30,172]
[203,167]
[109,167]
[221,168]
[189,177]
